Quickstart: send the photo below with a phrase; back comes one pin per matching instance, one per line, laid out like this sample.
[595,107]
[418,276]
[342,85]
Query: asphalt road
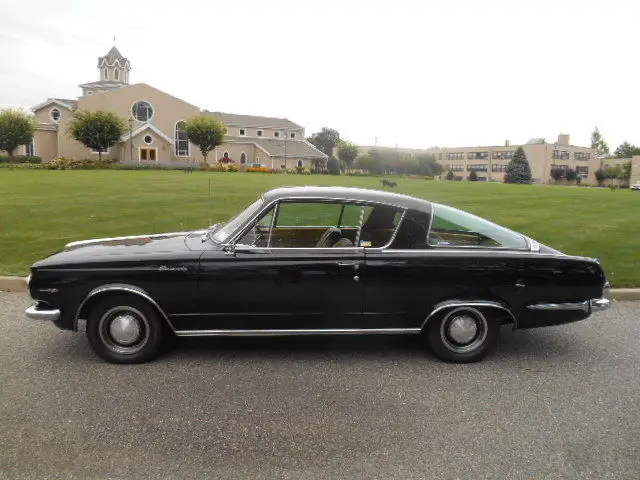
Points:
[550,403]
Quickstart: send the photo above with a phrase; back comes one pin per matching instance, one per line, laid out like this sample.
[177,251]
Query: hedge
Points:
[20,159]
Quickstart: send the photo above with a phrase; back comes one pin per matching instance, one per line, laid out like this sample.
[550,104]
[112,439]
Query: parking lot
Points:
[550,403]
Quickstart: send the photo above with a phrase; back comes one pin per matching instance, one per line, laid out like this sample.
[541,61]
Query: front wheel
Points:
[462,335]
[125,329]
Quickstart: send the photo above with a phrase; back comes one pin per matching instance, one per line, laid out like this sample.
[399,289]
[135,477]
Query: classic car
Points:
[317,261]
[635,186]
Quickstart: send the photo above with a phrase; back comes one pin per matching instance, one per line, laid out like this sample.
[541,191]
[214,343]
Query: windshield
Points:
[222,234]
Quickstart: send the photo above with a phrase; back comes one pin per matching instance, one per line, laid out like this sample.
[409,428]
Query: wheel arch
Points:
[484,304]
[98,293]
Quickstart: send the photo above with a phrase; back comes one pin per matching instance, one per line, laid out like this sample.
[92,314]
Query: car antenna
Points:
[209,224]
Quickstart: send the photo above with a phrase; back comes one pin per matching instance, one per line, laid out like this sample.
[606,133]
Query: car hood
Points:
[139,247]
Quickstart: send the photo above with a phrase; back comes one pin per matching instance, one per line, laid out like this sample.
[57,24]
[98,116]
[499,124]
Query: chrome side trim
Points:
[35,313]
[470,303]
[119,287]
[285,333]
[111,239]
[563,306]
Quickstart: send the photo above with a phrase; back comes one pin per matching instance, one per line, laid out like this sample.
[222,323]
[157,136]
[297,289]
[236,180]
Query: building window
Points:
[582,156]
[276,134]
[29,149]
[116,75]
[96,152]
[299,163]
[293,135]
[582,171]
[243,158]
[495,167]
[148,139]
[105,74]
[55,114]
[455,167]
[479,167]
[560,155]
[243,132]
[503,155]
[477,155]
[454,156]
[561,167]
[142,111]
[181,141]
[259,133]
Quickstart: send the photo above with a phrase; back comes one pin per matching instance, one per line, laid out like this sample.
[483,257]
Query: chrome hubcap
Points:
[463,329]
[125,329]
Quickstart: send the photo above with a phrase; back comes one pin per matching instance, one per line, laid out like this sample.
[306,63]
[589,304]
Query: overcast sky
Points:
[412,73]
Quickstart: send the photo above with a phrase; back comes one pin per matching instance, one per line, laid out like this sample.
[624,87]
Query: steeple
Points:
[113,67]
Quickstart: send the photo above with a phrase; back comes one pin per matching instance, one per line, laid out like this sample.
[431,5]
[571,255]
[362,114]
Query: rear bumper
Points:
[38,311]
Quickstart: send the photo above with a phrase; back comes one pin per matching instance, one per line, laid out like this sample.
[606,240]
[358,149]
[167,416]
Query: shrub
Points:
[450,175]
[61,163]
[333,166]
[20,159]
[233,168]
[473,176]
[258,169]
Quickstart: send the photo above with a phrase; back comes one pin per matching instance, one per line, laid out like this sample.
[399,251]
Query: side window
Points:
[455,228]
[378,226]
[412,233]
[309,214]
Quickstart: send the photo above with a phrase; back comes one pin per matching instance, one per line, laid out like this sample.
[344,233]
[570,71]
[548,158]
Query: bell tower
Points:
[113,67]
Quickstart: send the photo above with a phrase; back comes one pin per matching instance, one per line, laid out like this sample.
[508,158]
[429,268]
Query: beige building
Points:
[489,162]
[156,133]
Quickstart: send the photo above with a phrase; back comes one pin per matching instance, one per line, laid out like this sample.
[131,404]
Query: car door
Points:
[320,269]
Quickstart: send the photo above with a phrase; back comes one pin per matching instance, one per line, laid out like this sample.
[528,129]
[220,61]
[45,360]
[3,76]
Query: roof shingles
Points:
[253,120]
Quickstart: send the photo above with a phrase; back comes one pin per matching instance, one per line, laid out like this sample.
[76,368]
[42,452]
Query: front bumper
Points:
[588,306]
[39,311]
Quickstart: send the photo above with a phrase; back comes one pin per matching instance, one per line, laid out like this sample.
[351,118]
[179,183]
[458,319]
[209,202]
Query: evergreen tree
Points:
[473,176]
[450,175]
[518,170]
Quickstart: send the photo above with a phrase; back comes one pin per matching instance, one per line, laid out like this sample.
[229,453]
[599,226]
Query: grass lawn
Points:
[42,210]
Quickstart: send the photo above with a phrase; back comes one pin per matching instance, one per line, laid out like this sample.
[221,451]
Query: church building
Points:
[155,127]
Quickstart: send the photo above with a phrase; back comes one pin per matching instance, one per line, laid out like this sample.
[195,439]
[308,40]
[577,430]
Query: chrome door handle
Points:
[520,284]
[355,265]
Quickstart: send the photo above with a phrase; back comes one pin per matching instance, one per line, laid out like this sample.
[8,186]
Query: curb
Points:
[19,284]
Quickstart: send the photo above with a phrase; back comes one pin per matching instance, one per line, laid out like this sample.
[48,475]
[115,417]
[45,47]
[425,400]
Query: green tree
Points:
[206,132]
[333,166]
[347,152]
[325,140]
[428,165]
[599,174]
[557,173]
[518,169]
[625,173]
[613,172]
[599,146]
[16,128]
[98,130]
[368,163]
[626,150]
[571,175]
[450,175]
[473,176]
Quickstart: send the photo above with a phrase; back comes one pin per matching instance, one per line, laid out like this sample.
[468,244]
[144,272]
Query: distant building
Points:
[489,162]
[156,133]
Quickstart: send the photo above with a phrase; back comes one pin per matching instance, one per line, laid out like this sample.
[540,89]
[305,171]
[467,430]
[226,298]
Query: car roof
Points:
[349,193]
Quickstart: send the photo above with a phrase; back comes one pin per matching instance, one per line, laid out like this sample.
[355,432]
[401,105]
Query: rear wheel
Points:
[462,334]
[125,329]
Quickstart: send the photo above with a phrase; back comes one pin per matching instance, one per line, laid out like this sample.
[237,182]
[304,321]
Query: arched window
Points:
[116,74]
[55,114]
[181,141]
[300,163]
[243,158]
[105,74]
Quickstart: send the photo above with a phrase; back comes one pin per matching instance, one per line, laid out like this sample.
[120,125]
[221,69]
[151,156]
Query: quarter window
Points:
[454,228]
[142,111]
[181,141]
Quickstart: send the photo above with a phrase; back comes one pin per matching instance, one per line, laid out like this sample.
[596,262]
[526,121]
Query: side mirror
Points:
[229,248]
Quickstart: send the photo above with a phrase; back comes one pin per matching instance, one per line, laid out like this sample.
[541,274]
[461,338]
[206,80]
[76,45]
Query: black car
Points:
[317,261]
